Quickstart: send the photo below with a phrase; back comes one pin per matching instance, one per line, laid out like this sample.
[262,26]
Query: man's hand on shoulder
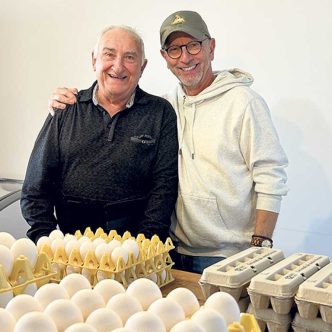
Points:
[62,97]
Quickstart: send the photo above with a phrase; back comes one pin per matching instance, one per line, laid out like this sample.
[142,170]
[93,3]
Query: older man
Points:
[110,160]
[231,164]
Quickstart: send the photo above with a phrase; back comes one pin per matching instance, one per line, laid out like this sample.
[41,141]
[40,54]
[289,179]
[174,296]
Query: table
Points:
[185,279]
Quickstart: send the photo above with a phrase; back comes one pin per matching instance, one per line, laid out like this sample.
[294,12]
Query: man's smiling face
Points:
[193,71]
[118,64]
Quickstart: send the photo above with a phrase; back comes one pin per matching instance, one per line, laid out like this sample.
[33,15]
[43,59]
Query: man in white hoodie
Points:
[231,164]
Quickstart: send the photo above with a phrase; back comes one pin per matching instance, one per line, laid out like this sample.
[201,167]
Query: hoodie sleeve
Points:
[37,199]
[264,156]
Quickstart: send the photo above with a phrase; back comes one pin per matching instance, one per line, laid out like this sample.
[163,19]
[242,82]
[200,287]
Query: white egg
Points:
[26,248]
[186,298]
[114,244]
[57,244]
[43,240]
[35,321]
[97,241]
[88,300]
[6,297]
[64,313]
[22,304]
[74,282]
[187,326]
[85,248]
[104,320]
[80,327]
[7,239]
[107,288]
[226,305]
[119,252]
[71,245]
[153,276]
[7,321]
[83,239]
[102,249]
[145,291]
[132,247]
[49,293]
[69,237]
[210,320]
[6,259]
[30,289]
[168,311]
[145,321]
[56,234]
[123,329]
[124,305]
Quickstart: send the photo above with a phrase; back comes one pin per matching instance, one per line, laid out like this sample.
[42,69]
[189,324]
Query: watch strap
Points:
[257,240]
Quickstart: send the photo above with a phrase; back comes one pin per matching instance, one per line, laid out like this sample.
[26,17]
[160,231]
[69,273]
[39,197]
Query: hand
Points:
[61,98]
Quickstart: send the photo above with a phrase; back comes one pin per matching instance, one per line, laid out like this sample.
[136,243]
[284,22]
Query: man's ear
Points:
[163,53]
[143,66]
[93,59]
[212,48]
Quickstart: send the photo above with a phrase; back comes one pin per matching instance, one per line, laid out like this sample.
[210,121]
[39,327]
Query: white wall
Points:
[286,45]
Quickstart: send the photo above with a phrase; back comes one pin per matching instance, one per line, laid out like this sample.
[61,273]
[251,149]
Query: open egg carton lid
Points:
[301,324]
[234,273]
[315,295]
[238,269]
[283,278]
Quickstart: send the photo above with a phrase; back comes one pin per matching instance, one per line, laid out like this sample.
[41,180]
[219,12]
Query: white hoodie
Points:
[230,164]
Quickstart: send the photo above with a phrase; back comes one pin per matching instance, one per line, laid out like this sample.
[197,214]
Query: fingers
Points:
[61,98]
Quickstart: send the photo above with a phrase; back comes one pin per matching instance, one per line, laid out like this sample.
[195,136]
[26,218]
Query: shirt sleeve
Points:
[162,198]
[264,155]
[38,191]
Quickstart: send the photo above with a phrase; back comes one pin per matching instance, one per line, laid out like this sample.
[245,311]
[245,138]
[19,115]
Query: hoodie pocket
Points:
[202,224]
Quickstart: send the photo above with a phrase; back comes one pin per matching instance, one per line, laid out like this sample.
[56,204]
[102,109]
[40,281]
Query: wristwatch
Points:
[261,241]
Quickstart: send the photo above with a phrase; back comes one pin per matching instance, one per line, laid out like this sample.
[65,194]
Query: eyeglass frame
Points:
[186,46]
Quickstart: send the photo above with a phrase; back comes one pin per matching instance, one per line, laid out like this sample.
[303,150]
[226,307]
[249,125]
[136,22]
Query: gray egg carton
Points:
[314,296]
[233,274]
[278,284]
[301,324]
[270,319]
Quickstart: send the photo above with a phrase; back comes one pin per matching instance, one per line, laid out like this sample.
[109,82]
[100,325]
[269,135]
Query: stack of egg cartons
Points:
[233,274]
[272,292]
[314,303]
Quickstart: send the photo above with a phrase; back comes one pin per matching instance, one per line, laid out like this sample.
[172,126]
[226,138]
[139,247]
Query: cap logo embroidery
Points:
[178,19]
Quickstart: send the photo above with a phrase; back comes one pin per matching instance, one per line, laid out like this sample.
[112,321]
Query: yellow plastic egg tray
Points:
[153,259]
[23,274]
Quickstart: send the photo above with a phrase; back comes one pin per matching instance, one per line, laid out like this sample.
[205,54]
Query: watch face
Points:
[266,244]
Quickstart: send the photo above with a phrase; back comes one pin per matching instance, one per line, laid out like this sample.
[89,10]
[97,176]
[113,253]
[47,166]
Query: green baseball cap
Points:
[186,21]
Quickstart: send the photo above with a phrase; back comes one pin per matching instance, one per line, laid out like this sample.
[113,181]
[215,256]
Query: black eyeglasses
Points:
[193,48]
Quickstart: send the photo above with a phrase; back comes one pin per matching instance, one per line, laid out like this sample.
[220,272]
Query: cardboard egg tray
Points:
[267,318]
[233,274]
[301,324]
[314,296]
[23,274]
[152,262]
[277,285]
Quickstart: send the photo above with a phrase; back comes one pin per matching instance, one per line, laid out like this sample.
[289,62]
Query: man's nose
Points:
[185,55]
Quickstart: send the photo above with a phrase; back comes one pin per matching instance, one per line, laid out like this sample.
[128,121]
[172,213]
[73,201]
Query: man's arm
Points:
[163,196]
[60,98]
[39,188]
[267,162]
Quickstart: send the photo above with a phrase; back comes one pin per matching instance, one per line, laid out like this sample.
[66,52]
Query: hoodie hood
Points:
[224,81]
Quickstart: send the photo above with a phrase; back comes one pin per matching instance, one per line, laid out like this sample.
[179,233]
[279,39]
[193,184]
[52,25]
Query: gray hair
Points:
[129,29]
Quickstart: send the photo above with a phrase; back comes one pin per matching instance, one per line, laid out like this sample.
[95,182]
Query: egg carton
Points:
[233,274]
[277,285]
[270,320]
[301,324]
[23,274]
[153,260]
[314,296]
